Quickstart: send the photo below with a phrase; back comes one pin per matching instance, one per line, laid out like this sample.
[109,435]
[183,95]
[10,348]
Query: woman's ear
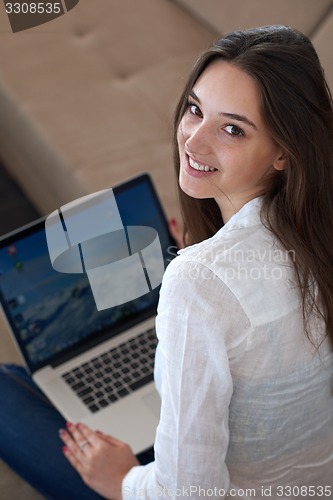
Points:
[281,162]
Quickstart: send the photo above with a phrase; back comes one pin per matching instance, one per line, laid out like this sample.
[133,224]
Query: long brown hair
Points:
[297,107]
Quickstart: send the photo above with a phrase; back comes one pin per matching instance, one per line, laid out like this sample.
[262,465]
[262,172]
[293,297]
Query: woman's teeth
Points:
[202,168]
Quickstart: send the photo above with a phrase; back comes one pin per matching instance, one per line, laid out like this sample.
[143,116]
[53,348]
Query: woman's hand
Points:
[101,460]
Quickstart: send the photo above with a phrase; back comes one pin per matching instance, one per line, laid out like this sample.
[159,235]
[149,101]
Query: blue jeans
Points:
[29,440]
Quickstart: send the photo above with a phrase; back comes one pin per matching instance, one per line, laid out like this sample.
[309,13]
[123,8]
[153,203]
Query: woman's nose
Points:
[198,138]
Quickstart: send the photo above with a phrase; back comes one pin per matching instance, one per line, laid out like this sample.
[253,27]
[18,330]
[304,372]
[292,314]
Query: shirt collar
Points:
[247,216]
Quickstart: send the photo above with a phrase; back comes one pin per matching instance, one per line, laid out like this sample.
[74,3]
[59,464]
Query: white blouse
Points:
[247,401]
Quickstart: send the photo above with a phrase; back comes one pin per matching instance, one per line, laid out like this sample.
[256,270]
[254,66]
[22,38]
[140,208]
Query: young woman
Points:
[244,363]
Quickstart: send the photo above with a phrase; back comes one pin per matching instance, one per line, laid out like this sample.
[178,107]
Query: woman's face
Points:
[226,151]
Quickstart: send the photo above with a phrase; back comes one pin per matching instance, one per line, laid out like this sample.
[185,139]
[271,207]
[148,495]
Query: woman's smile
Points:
[197,169]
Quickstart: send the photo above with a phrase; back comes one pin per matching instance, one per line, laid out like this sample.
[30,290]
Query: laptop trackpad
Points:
[153,401]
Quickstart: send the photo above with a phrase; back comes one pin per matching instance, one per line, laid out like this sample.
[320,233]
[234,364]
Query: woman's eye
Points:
[194,110]
[234,130]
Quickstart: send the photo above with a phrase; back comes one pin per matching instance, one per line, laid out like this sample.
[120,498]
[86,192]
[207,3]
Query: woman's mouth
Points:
[199,166]
[195,168]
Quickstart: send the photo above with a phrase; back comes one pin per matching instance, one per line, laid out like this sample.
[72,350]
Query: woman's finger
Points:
[110,439]
[77,441]
[88,436]
[74,461]
[72,448]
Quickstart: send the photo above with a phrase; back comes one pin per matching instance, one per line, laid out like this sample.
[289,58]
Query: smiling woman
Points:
[247,405]
[272,77]
[218,158]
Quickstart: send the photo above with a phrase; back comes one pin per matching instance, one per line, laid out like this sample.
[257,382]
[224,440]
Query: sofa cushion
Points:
[315,19]
[89,102]
[14,488]
[224,16]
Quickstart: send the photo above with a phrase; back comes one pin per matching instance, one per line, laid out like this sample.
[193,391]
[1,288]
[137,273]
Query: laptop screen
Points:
[53,315]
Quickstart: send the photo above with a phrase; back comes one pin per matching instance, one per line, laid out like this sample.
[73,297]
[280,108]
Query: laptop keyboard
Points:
[116,373]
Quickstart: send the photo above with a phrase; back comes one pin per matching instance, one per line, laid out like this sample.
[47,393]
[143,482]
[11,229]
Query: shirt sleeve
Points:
[197,317]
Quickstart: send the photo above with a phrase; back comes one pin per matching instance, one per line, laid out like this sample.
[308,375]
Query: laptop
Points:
[95,365]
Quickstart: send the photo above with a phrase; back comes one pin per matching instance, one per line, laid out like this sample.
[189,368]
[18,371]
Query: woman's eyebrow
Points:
[233,116]
[194,96]
[239,118]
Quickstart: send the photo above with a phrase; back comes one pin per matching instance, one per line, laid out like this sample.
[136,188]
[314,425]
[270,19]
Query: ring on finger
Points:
[83,444]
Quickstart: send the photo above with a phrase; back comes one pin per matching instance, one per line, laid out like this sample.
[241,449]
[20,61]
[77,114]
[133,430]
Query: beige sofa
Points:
[87,99]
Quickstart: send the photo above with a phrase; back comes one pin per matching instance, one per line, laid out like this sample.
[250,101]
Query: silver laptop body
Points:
[95,366]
